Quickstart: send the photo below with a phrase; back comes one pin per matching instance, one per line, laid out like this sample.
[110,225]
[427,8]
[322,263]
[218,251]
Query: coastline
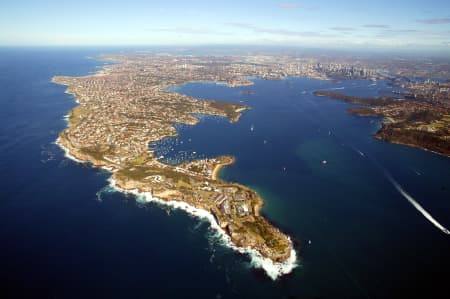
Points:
[67,152]
[375,136]
[273,269]
[218,168]
[381,107]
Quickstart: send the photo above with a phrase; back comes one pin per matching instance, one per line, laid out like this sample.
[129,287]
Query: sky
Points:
[313,23]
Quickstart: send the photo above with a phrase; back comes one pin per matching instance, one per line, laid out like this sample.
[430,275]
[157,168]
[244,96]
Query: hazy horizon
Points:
[377,25]
[249,49]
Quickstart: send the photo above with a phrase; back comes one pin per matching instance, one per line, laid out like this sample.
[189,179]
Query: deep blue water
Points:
[63,234]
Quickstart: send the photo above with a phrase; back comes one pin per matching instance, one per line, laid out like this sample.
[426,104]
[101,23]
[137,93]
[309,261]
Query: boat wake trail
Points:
[415,171]
[359,152]
[415,204]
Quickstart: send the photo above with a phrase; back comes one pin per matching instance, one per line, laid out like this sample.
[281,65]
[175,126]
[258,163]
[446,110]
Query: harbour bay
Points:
[353,230]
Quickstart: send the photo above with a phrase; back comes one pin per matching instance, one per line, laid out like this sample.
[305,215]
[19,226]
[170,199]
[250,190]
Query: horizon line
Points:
[350,48]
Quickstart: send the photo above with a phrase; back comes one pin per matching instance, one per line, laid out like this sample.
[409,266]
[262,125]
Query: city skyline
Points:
[353,24]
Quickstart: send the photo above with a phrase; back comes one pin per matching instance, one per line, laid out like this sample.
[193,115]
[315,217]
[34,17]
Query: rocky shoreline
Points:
[409,122]
[273,269]
[273,266]
[232,209]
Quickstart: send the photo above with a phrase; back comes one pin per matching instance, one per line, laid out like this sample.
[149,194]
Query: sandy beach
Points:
[218,167]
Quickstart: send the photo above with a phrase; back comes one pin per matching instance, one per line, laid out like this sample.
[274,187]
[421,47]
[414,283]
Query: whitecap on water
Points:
[66,152]
[273,269]
[47,153]
[108,189]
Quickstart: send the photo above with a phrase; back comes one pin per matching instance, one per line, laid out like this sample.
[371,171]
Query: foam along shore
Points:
[273,269]
[70,157]
[67,152]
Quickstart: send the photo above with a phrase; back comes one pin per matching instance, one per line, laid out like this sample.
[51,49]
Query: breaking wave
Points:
[108,189]
[273,269]
[67,153]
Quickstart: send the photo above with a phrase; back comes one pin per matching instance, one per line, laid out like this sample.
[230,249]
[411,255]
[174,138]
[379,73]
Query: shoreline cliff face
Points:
[117,117]
[239,236]
[429,141]
[414,123]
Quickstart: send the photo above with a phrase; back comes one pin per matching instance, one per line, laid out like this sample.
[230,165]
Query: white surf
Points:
[273,269]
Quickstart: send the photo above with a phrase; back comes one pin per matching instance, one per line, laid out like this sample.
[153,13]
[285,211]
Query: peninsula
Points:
[420,119]
[127,104]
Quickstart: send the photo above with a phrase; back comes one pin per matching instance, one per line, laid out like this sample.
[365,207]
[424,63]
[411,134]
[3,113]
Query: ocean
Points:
[65,233]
